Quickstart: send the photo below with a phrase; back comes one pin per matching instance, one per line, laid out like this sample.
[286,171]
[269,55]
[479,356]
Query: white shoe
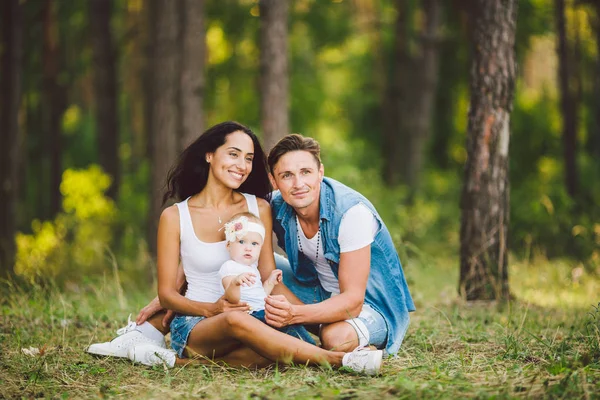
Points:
[127,337]
[363,360]
[149,354]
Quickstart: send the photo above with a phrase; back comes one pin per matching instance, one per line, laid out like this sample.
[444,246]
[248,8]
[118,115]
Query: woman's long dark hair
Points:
[190,173]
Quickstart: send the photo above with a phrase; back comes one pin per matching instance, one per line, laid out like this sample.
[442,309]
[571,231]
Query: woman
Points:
[219,175]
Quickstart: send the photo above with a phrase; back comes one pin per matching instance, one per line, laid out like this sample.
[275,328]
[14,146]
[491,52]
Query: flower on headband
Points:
[236,229]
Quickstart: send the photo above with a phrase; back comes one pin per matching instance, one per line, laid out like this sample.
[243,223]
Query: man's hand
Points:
[223,305]
[152,308]
[279,312]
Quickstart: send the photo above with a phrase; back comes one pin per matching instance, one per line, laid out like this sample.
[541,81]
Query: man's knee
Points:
[339,336]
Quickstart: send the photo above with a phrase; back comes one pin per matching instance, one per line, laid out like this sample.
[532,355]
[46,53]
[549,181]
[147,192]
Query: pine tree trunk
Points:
[594,136]
[191,87]
[485,196]
[54,98]
[274,70]
[394,106]
[567,100]
[11,62]
[164,117]
[414,87]
[105,88]
[421,85]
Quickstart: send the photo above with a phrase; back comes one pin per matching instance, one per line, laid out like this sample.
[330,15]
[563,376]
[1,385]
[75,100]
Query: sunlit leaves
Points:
[219,49]
[75,242]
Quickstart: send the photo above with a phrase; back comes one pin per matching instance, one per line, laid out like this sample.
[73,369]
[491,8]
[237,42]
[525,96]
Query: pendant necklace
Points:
[219,219]
[300,243]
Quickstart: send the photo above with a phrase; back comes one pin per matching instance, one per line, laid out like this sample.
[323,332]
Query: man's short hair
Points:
[294,142]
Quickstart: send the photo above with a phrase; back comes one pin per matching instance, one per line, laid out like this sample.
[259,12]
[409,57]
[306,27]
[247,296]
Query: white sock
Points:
[361,331]
[150,332]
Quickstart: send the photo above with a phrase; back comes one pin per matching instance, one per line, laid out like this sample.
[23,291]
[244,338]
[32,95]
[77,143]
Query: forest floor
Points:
[544,344]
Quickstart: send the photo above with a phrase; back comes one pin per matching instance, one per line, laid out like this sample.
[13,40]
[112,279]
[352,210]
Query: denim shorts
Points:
[370,325]
[182,325]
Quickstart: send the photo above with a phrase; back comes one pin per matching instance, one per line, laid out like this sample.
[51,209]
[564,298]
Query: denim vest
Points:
[387,291]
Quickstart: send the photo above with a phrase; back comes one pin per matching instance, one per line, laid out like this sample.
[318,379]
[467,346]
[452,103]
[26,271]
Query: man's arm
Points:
[353,275]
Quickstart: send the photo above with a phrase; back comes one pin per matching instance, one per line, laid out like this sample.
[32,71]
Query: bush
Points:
[76,242]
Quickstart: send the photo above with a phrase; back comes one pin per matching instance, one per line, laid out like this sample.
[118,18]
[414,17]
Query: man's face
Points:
[298,177]
[247,249]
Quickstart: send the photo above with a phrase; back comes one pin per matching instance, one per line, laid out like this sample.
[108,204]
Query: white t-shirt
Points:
[253,295]
[357,230]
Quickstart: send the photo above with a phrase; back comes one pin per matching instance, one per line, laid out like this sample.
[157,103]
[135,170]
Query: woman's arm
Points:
[266,261]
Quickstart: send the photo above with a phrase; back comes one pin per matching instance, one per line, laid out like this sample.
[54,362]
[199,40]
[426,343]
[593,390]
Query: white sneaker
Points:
[127,337]
[149,354]
[363,360]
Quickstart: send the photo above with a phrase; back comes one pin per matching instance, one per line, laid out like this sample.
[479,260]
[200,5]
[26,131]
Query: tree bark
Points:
[274,70]
[485,195]
[54,98]
[105,88]
[164,118]
[11,60]
[191,85]
[567,100]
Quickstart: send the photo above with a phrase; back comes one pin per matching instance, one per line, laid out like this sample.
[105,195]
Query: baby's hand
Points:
[275,277]
[245,279]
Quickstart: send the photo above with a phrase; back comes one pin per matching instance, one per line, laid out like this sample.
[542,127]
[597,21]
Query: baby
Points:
[245,235]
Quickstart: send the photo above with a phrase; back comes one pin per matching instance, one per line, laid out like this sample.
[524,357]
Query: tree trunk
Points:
[393,105]
[274,70]
[164,117]
[594,135]
[485,196]
[105,87]
[11,60]
[567,100]
[54,100]
[414,86]
[419,105]
[191,87]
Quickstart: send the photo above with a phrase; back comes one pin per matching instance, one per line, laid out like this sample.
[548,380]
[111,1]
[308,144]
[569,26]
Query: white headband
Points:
[239,227]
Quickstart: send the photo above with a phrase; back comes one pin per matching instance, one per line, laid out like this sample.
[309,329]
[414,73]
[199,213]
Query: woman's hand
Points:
[223,305]
[152,308]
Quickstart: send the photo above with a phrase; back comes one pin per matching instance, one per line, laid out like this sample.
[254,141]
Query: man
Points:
[343,271]
[342,274]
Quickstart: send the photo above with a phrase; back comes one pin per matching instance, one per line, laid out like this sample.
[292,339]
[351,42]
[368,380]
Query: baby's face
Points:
[247,249]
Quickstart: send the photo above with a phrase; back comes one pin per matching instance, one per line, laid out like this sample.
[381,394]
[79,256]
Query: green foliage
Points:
[75,243]
[543,215]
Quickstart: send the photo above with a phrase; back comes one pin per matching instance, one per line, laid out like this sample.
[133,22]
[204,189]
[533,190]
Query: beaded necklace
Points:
[298,227]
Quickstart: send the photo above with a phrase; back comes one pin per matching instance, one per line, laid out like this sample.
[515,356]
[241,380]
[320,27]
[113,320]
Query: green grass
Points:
[546,344]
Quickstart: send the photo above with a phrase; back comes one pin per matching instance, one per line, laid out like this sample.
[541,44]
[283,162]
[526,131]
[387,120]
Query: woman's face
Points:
[231,163]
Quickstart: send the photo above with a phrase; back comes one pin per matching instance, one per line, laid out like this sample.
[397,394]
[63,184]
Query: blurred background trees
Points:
[385,86]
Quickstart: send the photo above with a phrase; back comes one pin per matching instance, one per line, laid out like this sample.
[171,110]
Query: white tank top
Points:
[201,261]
